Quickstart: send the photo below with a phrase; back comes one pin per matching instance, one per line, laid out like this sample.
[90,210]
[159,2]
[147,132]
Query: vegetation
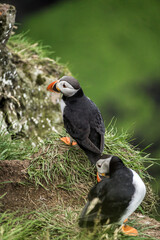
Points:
[16,149]
[58,224]
[26,48]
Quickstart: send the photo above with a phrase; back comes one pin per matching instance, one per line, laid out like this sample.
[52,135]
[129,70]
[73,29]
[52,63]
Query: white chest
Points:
[138,196]
[62,104]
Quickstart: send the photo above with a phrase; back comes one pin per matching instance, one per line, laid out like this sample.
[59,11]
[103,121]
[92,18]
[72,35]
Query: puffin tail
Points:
[86,221]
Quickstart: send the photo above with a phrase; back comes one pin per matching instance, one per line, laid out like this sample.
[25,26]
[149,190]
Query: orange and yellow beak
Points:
[52,87]
[98,176]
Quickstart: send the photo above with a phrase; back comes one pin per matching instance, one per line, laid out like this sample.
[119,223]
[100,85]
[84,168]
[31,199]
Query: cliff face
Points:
[26,108]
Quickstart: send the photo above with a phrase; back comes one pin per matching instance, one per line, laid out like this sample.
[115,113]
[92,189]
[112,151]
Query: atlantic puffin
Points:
[115,197]
[82,119]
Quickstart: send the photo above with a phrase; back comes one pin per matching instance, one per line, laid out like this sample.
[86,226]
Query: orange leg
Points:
[130,231]
[74,143]
[125,220]
[68,141]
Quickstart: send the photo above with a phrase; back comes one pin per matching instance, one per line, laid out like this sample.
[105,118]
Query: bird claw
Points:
[68,141]
[73,143]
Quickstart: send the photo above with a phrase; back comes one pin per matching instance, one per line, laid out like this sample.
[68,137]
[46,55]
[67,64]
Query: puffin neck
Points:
[115,166]
[78,94]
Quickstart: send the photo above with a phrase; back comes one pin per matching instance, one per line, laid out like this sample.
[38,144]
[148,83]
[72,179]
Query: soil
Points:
[22,194]
[148,225]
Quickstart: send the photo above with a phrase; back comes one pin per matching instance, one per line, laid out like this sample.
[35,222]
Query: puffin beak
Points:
[102,175]
[98,178]
[52,87]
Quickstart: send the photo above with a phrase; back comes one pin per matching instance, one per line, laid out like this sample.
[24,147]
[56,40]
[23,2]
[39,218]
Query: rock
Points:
[7,19]
[26,108]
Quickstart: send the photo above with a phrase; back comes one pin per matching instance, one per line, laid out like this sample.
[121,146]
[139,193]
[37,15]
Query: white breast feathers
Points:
[62,104]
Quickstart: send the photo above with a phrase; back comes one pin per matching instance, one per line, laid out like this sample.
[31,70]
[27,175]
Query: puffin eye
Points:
[99,165]
[64,85]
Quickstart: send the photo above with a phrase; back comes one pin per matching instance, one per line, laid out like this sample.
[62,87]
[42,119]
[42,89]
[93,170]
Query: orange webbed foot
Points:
[68,141]
[130,231]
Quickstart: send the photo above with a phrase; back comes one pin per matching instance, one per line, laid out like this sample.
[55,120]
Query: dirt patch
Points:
[20,197]
[21,194]
[13,171]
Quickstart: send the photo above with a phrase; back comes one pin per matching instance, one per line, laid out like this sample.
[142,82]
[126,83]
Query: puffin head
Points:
[103,164]
[107,165]
[67,85]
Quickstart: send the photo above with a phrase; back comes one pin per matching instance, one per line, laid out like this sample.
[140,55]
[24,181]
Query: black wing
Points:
[92,212]
[106,204]
[97,127]
[80,131]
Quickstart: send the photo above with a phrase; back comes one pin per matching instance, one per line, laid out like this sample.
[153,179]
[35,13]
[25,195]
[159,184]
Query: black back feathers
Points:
[109,199]
[84,123]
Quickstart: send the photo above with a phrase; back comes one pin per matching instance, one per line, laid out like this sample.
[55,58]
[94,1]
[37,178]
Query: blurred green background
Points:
[113,49]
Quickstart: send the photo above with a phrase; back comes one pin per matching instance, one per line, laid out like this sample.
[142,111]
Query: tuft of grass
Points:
[14,149]
[62,166]
[27,49]
[59,223]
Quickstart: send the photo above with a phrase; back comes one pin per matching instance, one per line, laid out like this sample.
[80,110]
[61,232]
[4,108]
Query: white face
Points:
[103,165]
[66,88]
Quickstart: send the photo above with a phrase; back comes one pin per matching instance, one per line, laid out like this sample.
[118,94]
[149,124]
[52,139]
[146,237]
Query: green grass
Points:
[60,164]
[29,53]
[27,48]
[16,149]
[59,223]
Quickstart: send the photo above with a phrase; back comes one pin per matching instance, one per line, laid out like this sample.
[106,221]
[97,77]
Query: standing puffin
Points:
[115,198]
[82,119]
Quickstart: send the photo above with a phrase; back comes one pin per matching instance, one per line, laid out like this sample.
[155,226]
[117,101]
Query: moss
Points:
[40,80]
[29,109]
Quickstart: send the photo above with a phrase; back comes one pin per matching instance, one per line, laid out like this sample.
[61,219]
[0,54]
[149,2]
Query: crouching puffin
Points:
[82,119]
[115,197]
